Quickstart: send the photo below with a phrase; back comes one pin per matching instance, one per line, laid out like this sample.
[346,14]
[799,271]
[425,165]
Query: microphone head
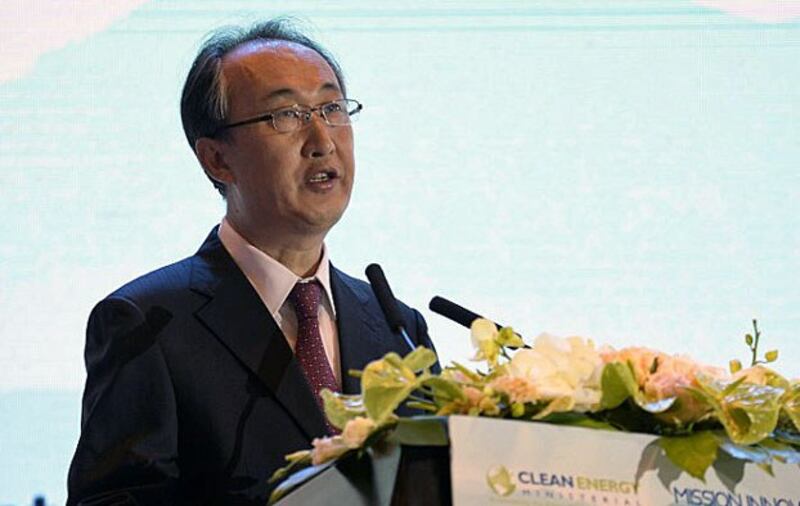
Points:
[458,314]
[385,297]
[453,311]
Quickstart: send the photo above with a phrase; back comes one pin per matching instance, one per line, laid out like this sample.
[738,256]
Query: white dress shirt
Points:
[273,282]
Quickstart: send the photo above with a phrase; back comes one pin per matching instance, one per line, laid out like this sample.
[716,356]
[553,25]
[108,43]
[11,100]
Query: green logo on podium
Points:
[500,481]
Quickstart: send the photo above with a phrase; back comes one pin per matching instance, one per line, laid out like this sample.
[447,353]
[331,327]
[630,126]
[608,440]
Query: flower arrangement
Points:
[752,414]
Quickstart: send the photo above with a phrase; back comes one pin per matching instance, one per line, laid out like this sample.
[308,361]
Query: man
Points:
[202,375]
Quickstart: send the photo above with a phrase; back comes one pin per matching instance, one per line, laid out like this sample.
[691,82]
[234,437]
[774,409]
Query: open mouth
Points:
[323,176]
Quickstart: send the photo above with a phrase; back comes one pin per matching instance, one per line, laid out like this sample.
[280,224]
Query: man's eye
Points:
[286,114]
[332,107]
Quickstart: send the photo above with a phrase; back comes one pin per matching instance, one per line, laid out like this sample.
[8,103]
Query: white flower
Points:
[482,330]
[559,368]
[357,431]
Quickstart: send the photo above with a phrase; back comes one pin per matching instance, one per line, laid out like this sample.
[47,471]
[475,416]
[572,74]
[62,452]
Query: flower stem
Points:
[754,347]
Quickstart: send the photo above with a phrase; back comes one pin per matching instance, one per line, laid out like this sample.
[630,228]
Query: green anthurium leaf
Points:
[774,379]
[341,408]
[381,401]
[395,361]
[748,412]
[759,405]
[693,453]
[731,387]
[791,405]
[421,431]
[420,359]
[618,383]
[703,396]
[385,384]
[780,451]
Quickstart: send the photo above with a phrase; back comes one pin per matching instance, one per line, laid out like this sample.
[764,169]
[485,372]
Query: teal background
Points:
[626,171]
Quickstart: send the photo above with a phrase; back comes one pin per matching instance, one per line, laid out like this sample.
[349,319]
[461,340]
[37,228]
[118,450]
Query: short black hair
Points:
[204,101]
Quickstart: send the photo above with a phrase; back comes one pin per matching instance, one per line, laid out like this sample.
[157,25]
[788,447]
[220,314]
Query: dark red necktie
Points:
[309,350]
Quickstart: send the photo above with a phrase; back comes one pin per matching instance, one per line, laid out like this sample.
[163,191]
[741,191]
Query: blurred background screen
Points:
[621,170]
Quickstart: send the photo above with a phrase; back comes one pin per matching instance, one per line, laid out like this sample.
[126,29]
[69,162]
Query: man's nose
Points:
[318,142]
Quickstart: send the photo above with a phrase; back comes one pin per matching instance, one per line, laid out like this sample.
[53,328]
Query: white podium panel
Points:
[521,463]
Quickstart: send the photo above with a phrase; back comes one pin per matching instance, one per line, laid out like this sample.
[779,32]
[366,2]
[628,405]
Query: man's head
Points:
[295,182]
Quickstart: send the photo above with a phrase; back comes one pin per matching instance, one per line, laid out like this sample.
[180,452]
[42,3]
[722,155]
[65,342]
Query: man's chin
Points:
[322,222]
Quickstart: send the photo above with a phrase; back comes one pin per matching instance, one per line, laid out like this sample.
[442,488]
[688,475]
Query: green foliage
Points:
[341,408]
[754,418]
[618,384]
[574,419]
[752,342]
[791,405]
[782,452]
[506,337]
[694,453]
[443,390]
[420,359]
[385,384]
[748,412]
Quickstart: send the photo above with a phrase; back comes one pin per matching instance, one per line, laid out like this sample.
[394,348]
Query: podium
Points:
[515,462]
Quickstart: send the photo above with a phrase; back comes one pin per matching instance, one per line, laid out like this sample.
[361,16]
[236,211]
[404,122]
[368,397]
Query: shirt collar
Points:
[271,279]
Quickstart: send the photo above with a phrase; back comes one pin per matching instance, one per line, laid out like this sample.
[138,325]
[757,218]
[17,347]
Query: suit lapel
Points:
[363,334]
[238,318]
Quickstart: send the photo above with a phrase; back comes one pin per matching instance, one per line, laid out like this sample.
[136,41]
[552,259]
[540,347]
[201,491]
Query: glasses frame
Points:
[305,111]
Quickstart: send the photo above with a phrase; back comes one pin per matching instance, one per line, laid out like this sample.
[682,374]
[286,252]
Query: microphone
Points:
[453,311]
[458,314]
[387,302]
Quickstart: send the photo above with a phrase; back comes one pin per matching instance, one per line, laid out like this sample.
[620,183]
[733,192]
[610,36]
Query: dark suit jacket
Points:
[193,395]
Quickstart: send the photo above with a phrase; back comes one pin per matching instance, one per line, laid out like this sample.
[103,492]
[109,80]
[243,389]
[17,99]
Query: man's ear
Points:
[211,154]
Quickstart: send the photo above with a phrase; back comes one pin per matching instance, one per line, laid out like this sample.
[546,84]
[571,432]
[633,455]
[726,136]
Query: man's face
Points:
[276,186]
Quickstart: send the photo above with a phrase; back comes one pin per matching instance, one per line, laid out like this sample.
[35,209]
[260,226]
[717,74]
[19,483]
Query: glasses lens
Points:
[340,112]
[287,120]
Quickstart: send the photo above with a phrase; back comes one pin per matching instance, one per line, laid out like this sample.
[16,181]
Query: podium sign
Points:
[511,462]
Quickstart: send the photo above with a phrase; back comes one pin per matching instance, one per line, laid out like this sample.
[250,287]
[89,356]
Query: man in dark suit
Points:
[202,375]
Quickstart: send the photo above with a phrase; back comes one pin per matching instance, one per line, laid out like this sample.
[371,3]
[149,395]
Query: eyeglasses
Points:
[289,119]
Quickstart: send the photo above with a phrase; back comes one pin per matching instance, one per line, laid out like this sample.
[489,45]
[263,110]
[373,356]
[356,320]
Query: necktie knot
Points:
[306,297]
